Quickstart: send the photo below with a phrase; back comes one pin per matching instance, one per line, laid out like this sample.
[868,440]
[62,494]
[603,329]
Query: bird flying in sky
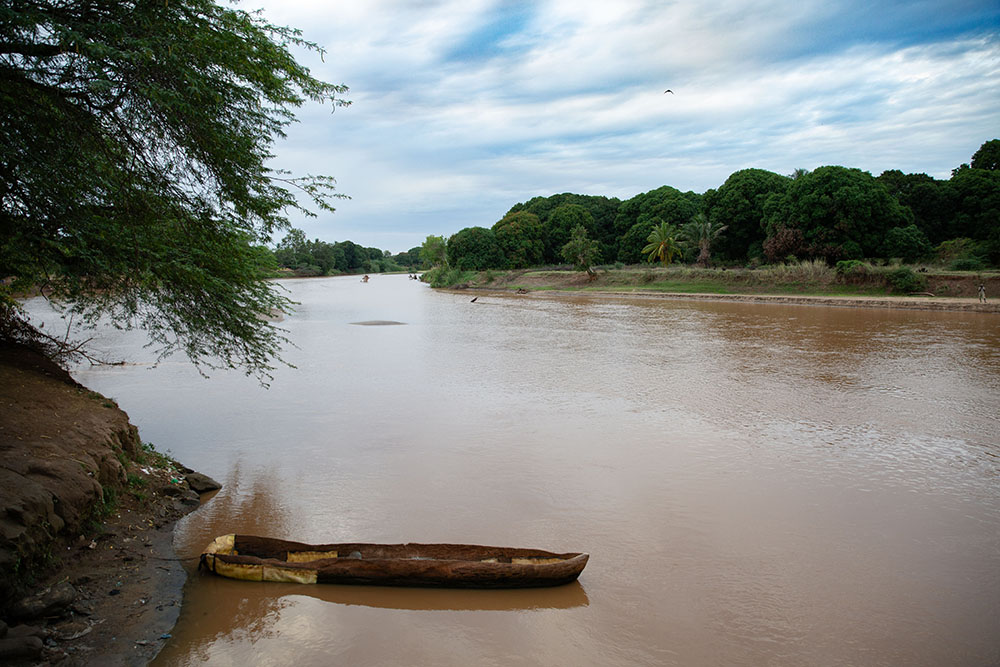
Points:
[668,91]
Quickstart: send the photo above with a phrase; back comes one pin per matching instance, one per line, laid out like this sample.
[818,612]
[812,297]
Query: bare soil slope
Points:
[89,575]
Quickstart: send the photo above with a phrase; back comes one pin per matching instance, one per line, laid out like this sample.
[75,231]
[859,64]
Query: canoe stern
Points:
[221,557]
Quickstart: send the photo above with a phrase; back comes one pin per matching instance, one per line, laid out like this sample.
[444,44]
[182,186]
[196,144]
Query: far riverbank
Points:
[941,291]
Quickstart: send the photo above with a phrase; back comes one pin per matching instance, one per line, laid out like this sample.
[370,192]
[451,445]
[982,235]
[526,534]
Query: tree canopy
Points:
[434,250]
[988,156]
[600,226]
[133,172]
[739,203]
[841,213]
[475,249]
[320,258]
[907,243]
[520,236]
[831,213]
[662,205]
[932,202]
[563,220]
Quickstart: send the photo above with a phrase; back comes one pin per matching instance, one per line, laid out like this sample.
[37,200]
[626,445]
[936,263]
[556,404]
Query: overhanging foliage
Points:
[133,170]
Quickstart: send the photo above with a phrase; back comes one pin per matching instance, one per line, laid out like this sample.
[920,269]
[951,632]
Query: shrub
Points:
[784,242]
[431,276]
[967,264]
[850,267]
[308,270]
[960,248]
[904,280]
[447,277]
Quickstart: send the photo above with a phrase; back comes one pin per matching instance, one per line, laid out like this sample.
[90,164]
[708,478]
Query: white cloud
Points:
[573,101]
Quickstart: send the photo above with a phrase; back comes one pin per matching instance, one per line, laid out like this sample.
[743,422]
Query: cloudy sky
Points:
[462,108]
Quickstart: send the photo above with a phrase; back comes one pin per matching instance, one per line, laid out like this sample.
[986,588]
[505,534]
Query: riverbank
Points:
[941,291]
[89,574]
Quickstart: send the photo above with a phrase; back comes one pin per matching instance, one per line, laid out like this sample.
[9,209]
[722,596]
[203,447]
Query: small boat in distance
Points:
[440,565]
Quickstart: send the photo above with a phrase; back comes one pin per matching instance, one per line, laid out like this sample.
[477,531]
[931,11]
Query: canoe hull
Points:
[426,565]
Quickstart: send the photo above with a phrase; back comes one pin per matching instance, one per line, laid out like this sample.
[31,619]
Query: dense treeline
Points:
[757,216]
[302,257]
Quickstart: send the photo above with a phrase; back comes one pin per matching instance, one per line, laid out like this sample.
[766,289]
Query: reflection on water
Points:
[251,507]
[755,484]
[219,590]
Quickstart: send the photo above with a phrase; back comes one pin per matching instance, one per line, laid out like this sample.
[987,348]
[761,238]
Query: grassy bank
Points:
[815,278]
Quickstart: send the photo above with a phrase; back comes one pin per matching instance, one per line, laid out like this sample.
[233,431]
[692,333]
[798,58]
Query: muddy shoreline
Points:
[953,304]
[87,514]
[113,600]
[942,291]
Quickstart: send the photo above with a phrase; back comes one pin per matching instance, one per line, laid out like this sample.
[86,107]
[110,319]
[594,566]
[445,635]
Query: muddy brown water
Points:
[755,484]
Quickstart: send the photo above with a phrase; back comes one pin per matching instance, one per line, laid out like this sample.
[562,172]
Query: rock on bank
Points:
[87,569]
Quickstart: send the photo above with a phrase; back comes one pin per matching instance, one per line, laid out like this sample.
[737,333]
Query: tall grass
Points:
[807,271]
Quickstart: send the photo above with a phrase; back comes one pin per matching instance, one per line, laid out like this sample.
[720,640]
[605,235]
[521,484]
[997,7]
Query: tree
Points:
[783,243]
[841,213]
[664,204]
[264,259]
[292,250]
[475,249]
[663,244]
[932,202]
[433,251]
[375,261]
[977,215]
[739,204]
[907,243]
[631,244]
[133,171]
[988,156]
[560,226]
[580,250]
[601,209]
[702,232]
[409,259]
[520,237]
[352,258]
[323,255]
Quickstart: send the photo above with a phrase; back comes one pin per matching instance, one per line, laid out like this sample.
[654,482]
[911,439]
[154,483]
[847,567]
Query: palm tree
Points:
[662,244]
[701,232]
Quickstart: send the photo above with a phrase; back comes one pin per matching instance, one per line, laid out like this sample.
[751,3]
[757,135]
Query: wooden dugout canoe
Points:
[446,565]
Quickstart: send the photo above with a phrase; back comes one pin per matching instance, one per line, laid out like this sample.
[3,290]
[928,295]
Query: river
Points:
[755,484]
